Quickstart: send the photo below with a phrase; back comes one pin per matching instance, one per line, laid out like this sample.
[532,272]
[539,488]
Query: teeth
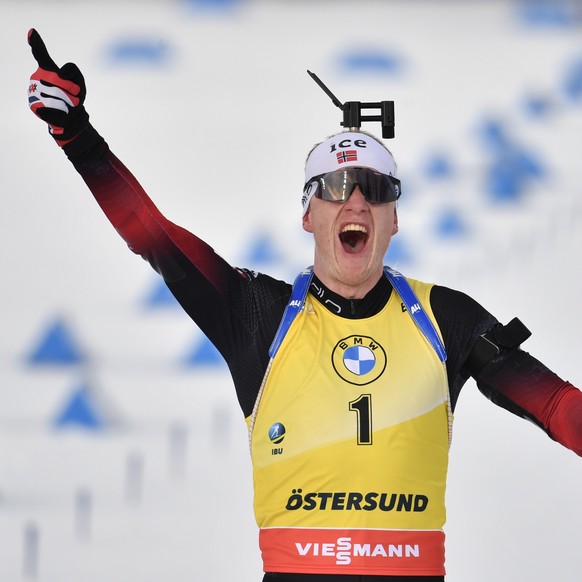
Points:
[355,227]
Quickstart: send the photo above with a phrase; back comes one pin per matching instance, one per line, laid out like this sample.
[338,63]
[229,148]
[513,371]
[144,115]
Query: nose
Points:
[357,201]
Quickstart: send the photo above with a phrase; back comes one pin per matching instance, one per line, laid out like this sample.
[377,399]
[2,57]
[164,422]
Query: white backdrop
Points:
[214,112]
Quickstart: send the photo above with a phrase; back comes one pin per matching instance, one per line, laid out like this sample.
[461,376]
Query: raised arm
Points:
[201,280]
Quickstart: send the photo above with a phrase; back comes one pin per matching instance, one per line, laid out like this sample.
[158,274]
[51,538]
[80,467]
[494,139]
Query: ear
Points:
[395,226]
[306,222]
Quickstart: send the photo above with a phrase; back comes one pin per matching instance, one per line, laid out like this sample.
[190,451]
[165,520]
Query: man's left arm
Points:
[518,382]
[479,346]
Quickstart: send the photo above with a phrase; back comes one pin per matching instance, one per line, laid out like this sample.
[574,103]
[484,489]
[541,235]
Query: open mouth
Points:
[353,238]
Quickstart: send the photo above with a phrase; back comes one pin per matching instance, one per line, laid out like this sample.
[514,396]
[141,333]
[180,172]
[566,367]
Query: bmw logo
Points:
[358,359]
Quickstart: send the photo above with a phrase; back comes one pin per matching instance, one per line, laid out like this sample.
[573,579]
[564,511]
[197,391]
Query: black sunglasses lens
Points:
[373,186]
[338,186]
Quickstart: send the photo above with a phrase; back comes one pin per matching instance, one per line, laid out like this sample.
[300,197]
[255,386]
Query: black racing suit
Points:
[239,311]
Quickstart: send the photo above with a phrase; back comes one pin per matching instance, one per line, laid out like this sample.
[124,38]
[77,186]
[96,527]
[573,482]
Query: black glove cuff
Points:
[87,145]
[70,126]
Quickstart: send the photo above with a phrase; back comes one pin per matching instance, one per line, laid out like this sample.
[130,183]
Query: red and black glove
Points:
[56,95]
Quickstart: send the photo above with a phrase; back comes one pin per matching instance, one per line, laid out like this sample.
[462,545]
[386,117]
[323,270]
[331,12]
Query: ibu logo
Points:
[276,435]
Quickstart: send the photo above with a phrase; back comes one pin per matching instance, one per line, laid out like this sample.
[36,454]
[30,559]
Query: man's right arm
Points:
[147,232]
[56,95]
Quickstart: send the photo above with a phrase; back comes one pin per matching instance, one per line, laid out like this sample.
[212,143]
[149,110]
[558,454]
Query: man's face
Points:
[351,240]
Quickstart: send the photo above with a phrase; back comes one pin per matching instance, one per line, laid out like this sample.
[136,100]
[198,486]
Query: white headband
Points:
[344,150]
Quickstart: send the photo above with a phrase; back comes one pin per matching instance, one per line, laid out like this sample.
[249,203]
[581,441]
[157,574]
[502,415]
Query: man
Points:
[348,378]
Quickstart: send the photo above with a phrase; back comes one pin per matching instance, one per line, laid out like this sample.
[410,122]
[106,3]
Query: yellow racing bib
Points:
[349,446]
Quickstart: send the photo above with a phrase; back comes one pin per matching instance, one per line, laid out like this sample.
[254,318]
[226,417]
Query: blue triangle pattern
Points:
[451,224]
[510,174]
[80,411]
[371,60]
[262,251]
[512,167]
[537,106]
[493,134]
[398,252]
[213,5]
[548,13]
[438,166]
[161,296]
[148,51]
[57,346]
[204,354]
[572,84]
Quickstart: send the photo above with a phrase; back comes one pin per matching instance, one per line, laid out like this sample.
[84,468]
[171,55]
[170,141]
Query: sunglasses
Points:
[339,185]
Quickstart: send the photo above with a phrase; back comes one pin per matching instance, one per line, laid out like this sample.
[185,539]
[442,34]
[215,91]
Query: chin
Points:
[355,273]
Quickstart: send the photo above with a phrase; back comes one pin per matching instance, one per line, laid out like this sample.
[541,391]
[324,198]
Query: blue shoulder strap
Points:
[294,307]
[401,286]
[416,311]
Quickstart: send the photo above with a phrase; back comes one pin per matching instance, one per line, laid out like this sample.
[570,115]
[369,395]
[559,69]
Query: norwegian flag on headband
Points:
[347,156]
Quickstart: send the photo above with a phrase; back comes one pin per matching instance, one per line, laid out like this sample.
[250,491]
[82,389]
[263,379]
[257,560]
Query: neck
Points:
[368,306]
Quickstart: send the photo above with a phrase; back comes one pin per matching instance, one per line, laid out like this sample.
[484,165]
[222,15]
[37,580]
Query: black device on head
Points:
[353,111]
